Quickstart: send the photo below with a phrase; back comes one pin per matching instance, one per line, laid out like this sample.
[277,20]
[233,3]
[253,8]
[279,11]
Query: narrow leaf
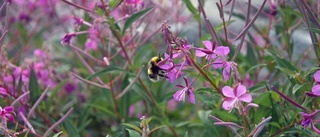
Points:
[33,86]
[57,134]
[133,18]
[133,126]
[71,130]
[106,70]
[133,133]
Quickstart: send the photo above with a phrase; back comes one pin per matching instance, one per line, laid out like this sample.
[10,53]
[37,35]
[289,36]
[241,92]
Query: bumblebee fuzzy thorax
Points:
[154,71]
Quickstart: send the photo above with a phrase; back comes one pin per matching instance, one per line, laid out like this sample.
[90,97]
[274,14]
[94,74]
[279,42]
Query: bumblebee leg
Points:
[163,75]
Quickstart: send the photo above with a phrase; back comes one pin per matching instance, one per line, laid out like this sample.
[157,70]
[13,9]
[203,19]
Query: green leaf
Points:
[263,99]
[133,133]
[186,134]
[113,4]
[298,87]
[251,57]
[71,130]
[136,128]
[225,116]
[282,62]
[158,127]
[106,70]
[57,134]
[203,91]
[286,71]
[192,9]
[34,86]
[314,30]
[203,115]
[133,18]
[103,109]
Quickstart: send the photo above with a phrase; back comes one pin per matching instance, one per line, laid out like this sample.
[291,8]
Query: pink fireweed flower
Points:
[39,53]
[233,96]
[180,94]
[316,88]
[307,119]
[67,38]
[210,52]
[169,67]
[77,22]
[6,113]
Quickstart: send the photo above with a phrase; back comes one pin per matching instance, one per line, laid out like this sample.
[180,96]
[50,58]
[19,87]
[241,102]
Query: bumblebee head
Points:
[154,61]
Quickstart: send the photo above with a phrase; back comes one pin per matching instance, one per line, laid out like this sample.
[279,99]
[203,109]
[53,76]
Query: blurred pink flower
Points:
[91,45]
[39,53]
[3,92]
[180,94]
[6,113]
[67,38]
[172,105]
[136,2]
[131,110]
[233,96]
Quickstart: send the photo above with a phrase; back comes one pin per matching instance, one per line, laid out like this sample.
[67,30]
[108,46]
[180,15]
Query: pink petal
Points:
[226,72]
[311,94]
[179,95]
[316,90]
[167,66]
[222,51]
[3,91]
[9,109]
[207,44]
[228,92]
[171,76]
[246,98]
[316,76]
[192,98]
[9,117]
[241,90]
[227,102]
[217,63]
[199,53]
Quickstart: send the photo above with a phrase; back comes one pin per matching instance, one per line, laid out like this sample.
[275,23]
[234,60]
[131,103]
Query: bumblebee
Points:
[154,71]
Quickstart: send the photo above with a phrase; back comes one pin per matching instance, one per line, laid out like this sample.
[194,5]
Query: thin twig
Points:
[209,25]
[130,85]
[44,93]
[251,22]
[19,98]
[57,123]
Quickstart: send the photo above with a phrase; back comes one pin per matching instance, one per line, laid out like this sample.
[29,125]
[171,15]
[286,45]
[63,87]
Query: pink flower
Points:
[91,45]
[67,38]
[316,88]
[233,96]
[39,53]
[211,51]
[180,94]
[6,113]
[308,119]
